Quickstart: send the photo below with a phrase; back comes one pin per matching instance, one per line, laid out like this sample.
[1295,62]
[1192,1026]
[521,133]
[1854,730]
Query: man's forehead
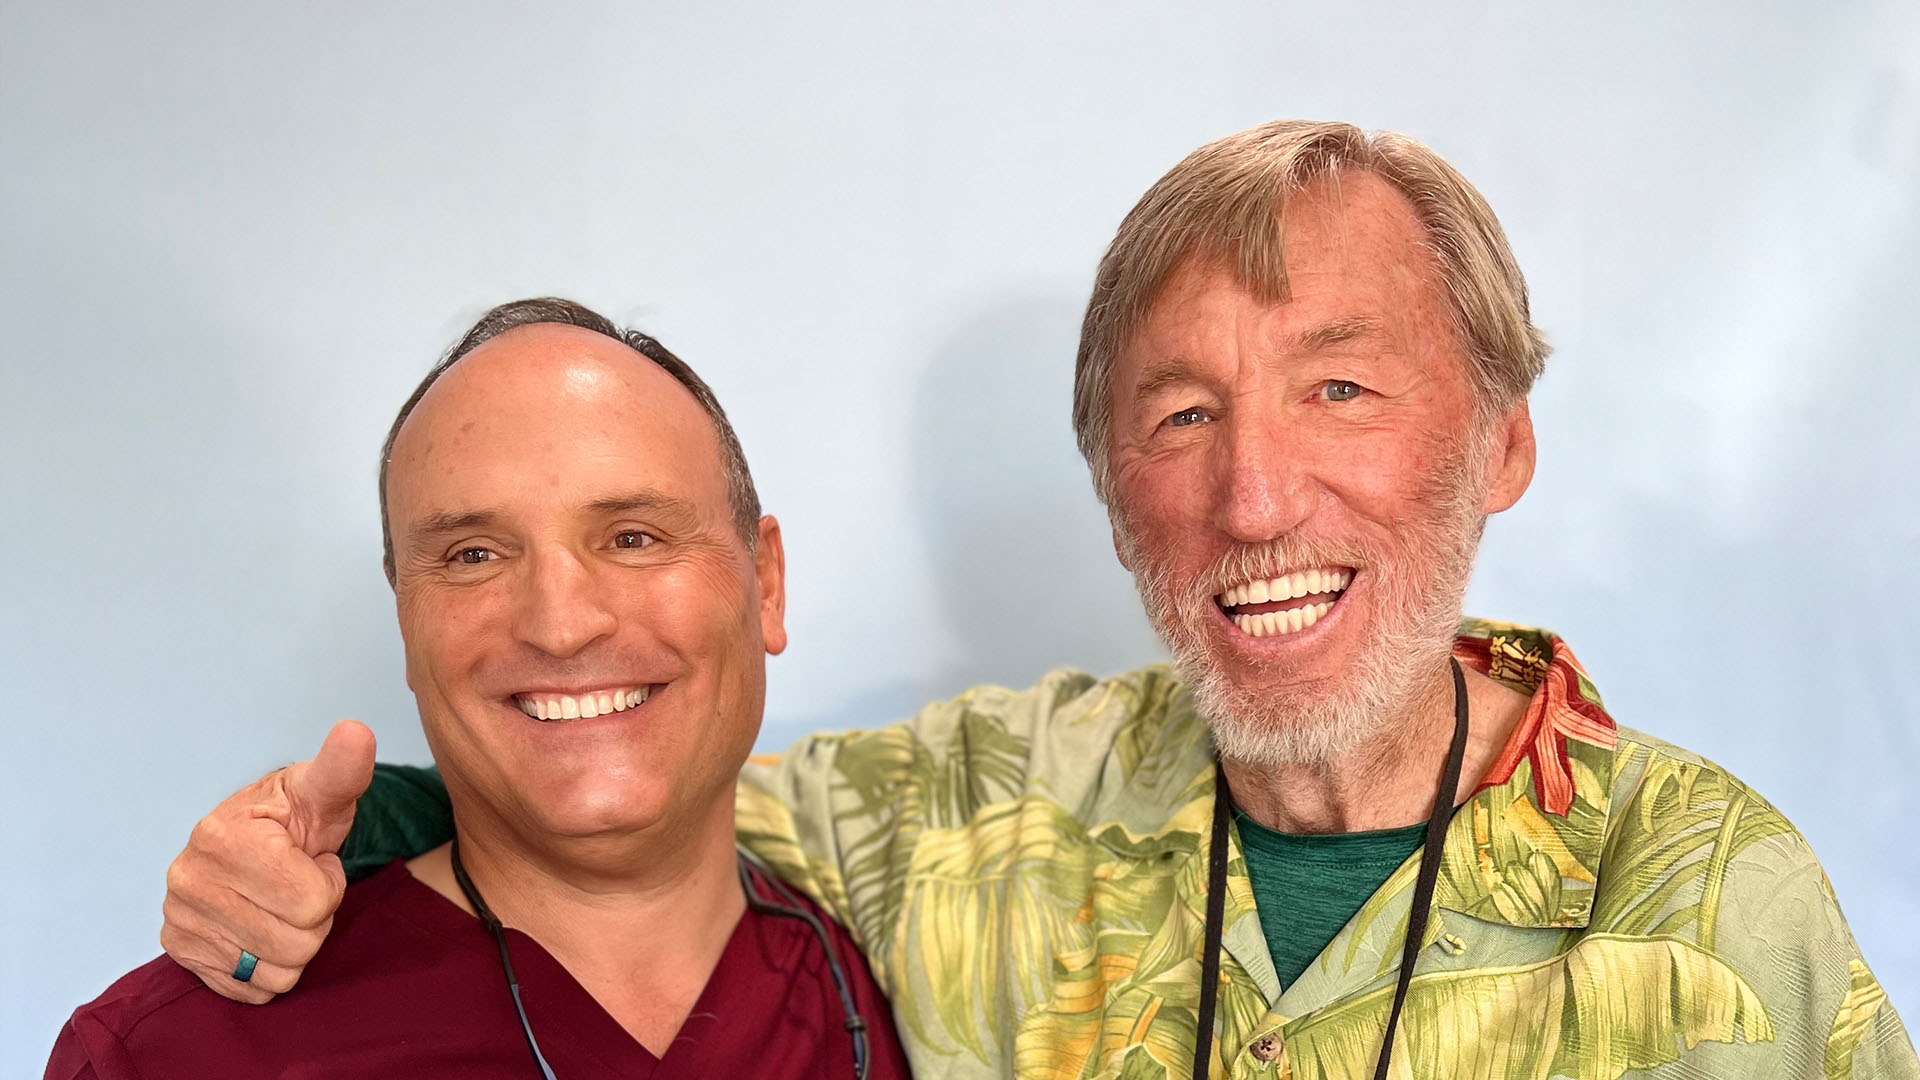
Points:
[1203,307]
[1357,263]
[552,405]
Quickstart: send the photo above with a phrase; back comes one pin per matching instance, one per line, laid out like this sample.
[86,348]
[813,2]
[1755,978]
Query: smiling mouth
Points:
[582,706]
[1287,604]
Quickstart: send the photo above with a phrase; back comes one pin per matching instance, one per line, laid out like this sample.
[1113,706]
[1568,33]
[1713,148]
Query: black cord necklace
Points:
[499,933]
[791,908]
[1417,919]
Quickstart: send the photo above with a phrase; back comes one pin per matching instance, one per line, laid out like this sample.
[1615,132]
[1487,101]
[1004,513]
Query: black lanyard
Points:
[791,908]
[1430,854]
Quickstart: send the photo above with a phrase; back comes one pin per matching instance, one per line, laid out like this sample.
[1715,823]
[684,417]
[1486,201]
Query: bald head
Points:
[546,334]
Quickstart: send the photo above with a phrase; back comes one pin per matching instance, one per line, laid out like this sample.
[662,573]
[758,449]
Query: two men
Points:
[588,593]
[1348,834]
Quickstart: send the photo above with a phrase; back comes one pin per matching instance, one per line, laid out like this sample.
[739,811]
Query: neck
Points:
[639,922]
[1388,780]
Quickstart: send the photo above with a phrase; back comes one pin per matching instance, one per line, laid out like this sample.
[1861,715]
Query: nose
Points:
[563,607]
[1263,489]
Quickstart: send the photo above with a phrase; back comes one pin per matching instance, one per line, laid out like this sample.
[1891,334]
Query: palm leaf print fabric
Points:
[1026,871]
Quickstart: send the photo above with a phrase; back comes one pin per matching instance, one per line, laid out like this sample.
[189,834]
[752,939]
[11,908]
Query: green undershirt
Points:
[1307,888]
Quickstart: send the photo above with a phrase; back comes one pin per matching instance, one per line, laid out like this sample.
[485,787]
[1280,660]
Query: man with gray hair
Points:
[1348,833]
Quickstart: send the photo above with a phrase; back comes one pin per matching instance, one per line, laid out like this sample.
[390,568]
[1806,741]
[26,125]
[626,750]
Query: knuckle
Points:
[306,947]
[179,877]
[289,947]
[336,891]
[181,931]
[208,832]
[310,910]
[272,981]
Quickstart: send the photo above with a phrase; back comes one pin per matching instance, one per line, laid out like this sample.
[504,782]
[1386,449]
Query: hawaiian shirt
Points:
[1027,872]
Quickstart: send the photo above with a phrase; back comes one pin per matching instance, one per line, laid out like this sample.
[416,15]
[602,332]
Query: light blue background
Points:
[233,237]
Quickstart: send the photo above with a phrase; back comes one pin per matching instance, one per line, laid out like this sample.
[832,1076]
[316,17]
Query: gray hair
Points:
[744,500]
[1225,203]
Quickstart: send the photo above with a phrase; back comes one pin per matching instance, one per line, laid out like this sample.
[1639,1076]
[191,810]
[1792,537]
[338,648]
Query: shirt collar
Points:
[1525,849]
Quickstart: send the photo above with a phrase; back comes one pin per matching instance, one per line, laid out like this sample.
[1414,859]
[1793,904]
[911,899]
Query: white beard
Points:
[1418,591]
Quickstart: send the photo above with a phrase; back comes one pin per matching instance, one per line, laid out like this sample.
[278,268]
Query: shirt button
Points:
[1266,1047]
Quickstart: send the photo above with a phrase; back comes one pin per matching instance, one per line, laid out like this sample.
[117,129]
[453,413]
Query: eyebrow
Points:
[1179,370]
[440,523]
[1337,332]
[1172,372]
[448,521]
[653,502]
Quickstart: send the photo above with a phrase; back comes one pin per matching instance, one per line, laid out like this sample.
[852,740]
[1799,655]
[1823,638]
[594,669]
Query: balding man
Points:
[1347,834]
[587,593]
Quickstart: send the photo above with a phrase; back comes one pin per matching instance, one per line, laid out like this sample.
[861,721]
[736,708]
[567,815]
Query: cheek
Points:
[1381,476]
[696,611]
[1369,477]
[1164,493]
[446,634]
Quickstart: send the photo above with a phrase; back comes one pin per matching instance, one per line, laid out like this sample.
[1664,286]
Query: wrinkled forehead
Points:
[548,415]
[1350,231]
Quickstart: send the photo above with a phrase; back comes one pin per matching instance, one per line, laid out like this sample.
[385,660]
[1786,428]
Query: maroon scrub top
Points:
[410,985]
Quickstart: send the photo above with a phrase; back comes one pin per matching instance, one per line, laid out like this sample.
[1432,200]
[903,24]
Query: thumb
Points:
[322,791]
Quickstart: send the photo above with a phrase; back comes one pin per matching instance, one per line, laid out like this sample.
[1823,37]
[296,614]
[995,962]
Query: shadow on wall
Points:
[1025,576]
[1019,545]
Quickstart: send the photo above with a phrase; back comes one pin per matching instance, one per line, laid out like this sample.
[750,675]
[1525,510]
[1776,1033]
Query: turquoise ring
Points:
[243,971]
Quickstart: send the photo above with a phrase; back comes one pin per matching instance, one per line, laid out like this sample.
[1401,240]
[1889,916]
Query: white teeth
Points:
[1287,587]
[581,707]
[1271,623]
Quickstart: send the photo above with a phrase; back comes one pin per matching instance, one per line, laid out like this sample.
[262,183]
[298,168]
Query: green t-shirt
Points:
[1307,888]
[404,813]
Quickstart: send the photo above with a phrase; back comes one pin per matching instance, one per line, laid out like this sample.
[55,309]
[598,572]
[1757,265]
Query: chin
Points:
[601,806]
[1304,730]
[587,822]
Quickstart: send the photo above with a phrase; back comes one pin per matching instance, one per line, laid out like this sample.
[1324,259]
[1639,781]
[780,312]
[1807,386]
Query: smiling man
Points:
[588,594]
[1347,834]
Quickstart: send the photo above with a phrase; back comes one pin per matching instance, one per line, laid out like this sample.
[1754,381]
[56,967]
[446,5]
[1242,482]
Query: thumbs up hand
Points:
[262,872]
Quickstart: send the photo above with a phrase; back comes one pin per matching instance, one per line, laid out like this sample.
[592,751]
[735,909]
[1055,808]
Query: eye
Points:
[472,556]
[1341,390]
[631,539]
[1187,417]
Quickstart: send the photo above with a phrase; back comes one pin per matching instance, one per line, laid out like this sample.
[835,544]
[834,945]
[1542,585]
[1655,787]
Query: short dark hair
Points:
[551,309]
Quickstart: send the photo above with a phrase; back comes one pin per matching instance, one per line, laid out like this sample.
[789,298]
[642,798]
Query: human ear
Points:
[1510,459]
[770,578]
[1120,549]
